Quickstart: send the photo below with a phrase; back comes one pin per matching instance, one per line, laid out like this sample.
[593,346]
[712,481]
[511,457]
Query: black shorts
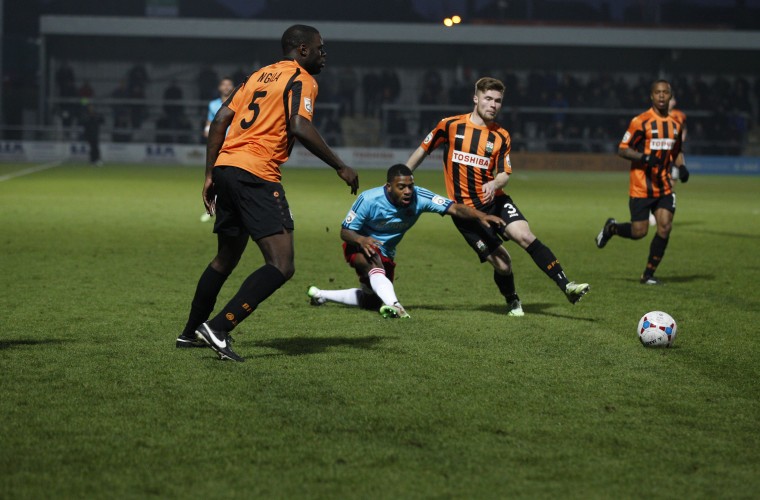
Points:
[642,207]
[248,204]
[486,241]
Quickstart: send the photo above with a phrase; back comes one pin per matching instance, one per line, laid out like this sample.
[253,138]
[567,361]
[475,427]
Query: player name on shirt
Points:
[269,77]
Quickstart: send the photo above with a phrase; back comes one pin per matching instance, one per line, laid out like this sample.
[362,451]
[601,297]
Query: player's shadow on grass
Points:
[298,346]
[688,278]
[539,308]
[672,279]
[731,234]
[8,344]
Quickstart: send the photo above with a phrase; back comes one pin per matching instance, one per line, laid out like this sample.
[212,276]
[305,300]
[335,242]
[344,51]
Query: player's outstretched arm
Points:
[308,135]
[417,157]
[467,213]
[216,133]
[368,244]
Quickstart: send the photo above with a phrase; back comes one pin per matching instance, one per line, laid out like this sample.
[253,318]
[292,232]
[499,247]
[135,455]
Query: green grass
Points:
[99,266]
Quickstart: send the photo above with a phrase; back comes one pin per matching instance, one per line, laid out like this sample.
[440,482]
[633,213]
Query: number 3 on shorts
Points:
[511,210]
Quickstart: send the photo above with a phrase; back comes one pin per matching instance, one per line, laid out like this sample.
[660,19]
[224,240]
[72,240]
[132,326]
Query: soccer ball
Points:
[657,329]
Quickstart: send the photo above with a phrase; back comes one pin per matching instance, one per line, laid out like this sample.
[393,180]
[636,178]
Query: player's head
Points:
[400,185]
[226,85]
[304,44]
[489,94]
[660,95]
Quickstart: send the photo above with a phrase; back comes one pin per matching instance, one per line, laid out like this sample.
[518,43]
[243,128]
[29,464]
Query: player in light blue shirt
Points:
[374,227]
[226,86]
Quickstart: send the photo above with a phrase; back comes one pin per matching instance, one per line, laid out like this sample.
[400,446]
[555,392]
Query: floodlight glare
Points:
[448,22]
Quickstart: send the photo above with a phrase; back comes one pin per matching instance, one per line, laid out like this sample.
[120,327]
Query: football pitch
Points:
[99,266]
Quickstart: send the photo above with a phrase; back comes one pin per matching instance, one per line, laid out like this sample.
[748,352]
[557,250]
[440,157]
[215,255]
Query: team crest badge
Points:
[489,148]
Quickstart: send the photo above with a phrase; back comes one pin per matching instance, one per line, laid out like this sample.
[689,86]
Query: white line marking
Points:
[30,170]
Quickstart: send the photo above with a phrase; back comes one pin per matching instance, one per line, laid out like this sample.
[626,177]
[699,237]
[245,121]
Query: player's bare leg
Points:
[505,280]
[630,230]
[278,268]
[659,243]
[519,232]
[229,251]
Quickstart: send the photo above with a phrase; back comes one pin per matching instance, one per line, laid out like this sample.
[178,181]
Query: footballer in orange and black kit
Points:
[476,169]
[652,144]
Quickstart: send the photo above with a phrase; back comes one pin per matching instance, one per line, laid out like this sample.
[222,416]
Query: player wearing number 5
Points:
[272,108]
[476,169]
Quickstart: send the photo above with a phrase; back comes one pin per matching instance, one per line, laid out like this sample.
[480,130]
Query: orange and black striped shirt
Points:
[259,138]
[650,133]
[680,117]
[472,156]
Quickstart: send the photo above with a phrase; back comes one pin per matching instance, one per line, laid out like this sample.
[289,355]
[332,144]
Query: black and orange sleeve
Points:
[235,100]
[303,96]
[634,136]
[436,137]
[503,164]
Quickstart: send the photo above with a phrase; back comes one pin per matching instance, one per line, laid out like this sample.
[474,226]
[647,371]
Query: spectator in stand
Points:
[137,77]
[65,79]
[86,91]
[372,90]
[347,83]
[137,111]
[172,94]
[207,83]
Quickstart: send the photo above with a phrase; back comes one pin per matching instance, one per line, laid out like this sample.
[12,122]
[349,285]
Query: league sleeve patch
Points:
[509,162]
[439,200]
[307,105]
[428,138]
[627,137]
[350,217]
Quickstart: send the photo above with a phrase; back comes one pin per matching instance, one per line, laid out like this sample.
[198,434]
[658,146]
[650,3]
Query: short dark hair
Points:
[487,83]
[296,35]
[227,78]
[398,170]
[651,88]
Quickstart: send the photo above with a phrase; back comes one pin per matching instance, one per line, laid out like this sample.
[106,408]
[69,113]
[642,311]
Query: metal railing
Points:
[534,134]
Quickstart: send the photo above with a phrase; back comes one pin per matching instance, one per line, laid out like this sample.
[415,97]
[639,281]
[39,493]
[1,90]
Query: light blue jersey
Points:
[213,107]
[375,216]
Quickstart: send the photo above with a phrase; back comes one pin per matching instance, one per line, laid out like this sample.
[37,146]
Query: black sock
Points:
[506,284]
[204,299]
[545,259]
[254,290]
[656,252]
[622,230]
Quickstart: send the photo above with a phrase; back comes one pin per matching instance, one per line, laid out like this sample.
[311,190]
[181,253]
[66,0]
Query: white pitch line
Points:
[31,170]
